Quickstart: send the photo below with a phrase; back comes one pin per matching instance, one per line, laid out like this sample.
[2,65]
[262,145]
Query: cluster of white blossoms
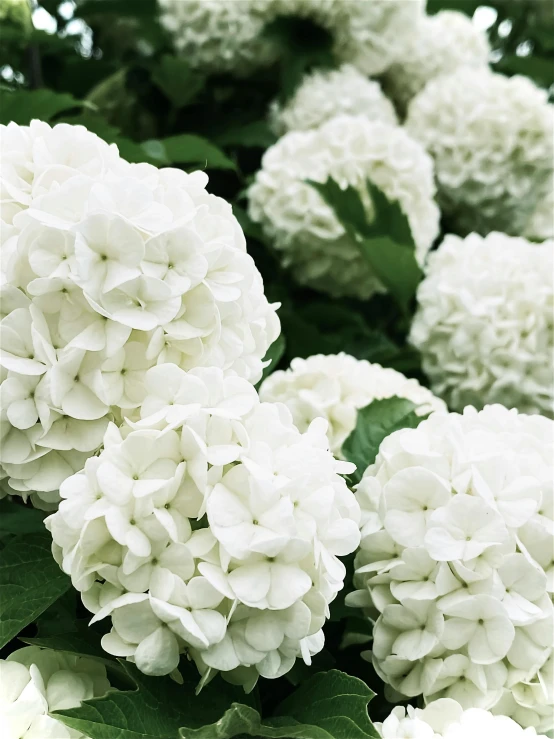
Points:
[446,719]
[107,269]
[212,526]
[232,36]
[324,94]
[484,322]
[334,387]
[492,141]
[438,45]
[351,150]
[456,561]
[34,682]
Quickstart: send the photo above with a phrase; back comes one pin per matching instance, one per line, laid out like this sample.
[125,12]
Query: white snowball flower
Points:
[108,268]
[492,141]
[541,224]
[484,322]
[446,719]
[438,45]
[335,386]
[211,525]
[351,150]
[236,36]
[457,533]
[34,682]
[325,94]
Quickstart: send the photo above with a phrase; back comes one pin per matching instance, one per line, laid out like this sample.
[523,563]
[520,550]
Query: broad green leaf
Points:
[20,519]
[22,106]
[30,581]
[386,241]
[84,641]
[331,705]
[374,423]
[156,709]
[177,80]
[273,355]
[188,149]
[253,134]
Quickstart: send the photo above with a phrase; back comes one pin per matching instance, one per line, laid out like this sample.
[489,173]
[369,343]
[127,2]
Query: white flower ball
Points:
[351,150]
[492,141]
[212,526]
[108,268]
[231,36]
[438,45]
[484,322]
[541,224]
[325,94]
[446,719]
[456,561]
[34,682]
[335,386]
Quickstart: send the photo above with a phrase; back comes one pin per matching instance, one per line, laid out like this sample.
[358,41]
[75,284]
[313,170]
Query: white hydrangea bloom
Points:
[455,561]
[541,224]
[438,45]
[335,386]
[351,150]
[324,94]
[230,36]
[107,269]
[492,141]
[484,322]
[446,719]
[212,526]
[34,682]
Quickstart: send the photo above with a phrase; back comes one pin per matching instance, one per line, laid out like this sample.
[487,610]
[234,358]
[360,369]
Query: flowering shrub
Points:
[478,345]
[109,268]
[301,225]
[455,561]
[249,587]
[335,387]
[35,681]
[446,719]
[491,139]
[276,394]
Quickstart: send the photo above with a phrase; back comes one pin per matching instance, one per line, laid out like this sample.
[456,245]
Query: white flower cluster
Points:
[541,224]
[456,560]
[210,526]
[484,322]
[230,36]
[446,719]
[328,93]
[108,268]
[35,681]
[334,387]
[351,150]
[492,141]
[438,45]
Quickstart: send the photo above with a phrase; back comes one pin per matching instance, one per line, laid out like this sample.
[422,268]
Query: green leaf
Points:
[273,355]
[374,423]
[30,581]
[156,709]
[20,519]
[253,134]
[386,242]
[177,80]
[331,705]
[22,106]
[188,149]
